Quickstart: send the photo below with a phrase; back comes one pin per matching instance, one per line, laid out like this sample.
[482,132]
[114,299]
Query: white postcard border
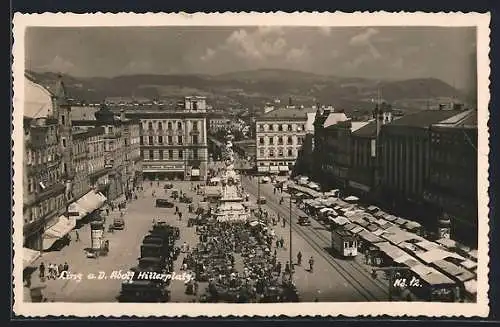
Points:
[353,309]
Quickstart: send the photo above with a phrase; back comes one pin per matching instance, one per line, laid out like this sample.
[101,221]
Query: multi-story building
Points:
[404,157]
[173,143]
[452,183]
[329,148]
[81,183]
[280,135]
[363,173]
[133,160]
[116,141]
[44,200]
[97,172]
[218,122]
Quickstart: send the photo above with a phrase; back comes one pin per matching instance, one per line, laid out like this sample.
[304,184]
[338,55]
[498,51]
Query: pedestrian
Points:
[311,264]
[299,258]
[154,221]
[77,236]
[282,241]
[66,267]
[287,268]
[180,215]
[176,209]
[56,271]
[60,269]
[279,218]
[42,271]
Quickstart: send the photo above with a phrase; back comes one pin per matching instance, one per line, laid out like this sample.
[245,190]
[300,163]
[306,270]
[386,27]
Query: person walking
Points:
[66,267]
[77,236]
[299,258]
[42,271]
[311,264]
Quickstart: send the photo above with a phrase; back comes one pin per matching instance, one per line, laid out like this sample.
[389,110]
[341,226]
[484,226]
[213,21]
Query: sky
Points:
[447,53]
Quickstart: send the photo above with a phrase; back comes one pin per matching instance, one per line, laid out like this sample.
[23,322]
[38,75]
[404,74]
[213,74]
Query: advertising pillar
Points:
[96,234]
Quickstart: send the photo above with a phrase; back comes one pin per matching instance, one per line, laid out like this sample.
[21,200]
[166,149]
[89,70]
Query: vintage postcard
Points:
[251,164]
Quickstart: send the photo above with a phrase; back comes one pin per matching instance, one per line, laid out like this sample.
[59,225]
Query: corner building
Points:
[173,142]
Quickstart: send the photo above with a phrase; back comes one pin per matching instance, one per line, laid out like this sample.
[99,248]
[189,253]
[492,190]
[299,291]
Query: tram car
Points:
[344,242]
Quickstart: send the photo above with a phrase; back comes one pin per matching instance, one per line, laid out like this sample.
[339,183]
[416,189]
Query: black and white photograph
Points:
[235,159]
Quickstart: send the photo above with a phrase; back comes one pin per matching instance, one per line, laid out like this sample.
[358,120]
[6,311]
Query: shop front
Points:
[164,171]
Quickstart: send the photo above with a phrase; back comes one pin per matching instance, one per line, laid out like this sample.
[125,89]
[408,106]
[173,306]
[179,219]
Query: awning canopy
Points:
[29,256]
[90,201]
[323,210]
[57,231]
[370,237]
[76,211]
[262,168]
[351,198]
[438,254]
[283,168]
[273,168]
[431,276]
[195,172]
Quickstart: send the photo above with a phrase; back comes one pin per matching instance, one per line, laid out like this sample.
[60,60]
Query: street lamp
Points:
[290,236]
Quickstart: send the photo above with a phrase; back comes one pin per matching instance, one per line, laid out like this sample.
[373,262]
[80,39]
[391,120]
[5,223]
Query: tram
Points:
[344,242]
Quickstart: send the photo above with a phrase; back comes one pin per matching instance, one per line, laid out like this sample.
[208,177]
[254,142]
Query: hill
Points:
[255,88]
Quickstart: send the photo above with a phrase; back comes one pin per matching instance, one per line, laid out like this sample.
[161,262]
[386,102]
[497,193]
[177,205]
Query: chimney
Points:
[122,114]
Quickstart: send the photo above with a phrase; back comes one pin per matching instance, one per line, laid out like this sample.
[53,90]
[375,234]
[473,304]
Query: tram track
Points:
[357,280]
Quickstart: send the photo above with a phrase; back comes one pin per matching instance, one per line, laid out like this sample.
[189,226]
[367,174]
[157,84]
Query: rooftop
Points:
[289,113]
[424,118]
[334,118]
[367,130]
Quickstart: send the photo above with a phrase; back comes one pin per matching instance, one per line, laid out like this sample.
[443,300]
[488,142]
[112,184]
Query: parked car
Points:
[163,203]
[261,200]
[304,220]
[118,223]
[168,186]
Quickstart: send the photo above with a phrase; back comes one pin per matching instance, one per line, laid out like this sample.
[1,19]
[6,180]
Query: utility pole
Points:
[391,271]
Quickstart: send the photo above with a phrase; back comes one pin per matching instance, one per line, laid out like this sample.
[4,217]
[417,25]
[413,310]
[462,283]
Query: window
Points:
[271,140]
[261,151]
[169,140]
[280,140]
[299,140]
[169,125]
[151,154]
[261,127]
[63,120]
[150,125]
[290,152]
[289,128]
[179,125]
[195,139]
[289,140]
[170,154]
[160,138]
[261,140]
[181,154]
[160,125]
[161,154]
[271,152]
[195,153]
[142,140]
[142,154]
[195,126]
[280,152]
[150,140]
[179,139]
[280,128]
[271,127]
[110,129]
[303,127]
[64,142]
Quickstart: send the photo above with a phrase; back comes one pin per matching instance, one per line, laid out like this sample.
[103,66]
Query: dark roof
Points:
[369,130]
[471,120]
[424,118]
[289,113]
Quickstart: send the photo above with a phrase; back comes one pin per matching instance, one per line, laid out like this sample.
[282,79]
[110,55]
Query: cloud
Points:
[335,53]
[58,64]
[136,67]
[208,55]
[262,43]
[364,40]
[297,54]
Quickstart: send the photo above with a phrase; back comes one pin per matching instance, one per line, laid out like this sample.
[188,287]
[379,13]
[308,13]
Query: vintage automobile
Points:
[118,223]
[186,199]
[304,220]
[168,186]
[143,290]
[174,193]
[265,180]
[261,200]
[164,203]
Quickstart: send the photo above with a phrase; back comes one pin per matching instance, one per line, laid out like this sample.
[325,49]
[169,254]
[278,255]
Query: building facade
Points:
[43,191]
[280,135]
[452,184]
[173,143]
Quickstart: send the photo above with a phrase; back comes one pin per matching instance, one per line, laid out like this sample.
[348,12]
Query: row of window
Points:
[43,208]
[167,140]
[280,140]
[41,156]
[161,124]
[168,154]
[280,152]
[281,127]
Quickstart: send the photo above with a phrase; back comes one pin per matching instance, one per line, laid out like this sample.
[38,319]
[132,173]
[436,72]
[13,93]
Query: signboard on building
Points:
[166,167]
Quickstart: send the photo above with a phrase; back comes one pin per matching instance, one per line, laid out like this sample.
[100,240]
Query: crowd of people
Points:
[238,263]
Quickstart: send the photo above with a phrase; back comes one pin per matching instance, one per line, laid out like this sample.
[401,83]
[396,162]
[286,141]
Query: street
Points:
[124,252]
[334,279]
